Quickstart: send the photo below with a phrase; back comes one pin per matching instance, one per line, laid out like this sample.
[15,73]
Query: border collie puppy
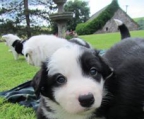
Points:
[126,88]
[10,42]
[70,84]
[81,42]
[122,28]
[39,47]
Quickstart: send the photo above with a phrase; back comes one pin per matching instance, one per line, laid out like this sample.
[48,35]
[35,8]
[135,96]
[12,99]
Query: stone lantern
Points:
[61,17]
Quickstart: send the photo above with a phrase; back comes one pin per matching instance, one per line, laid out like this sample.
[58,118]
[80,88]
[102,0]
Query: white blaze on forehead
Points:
[65,61]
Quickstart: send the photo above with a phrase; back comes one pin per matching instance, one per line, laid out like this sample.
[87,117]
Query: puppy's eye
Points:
[93,71]
[60,79]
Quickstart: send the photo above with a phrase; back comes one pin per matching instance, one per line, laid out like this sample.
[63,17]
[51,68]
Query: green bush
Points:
[97,23]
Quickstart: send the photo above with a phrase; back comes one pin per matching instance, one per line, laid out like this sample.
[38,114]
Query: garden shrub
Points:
[92,26]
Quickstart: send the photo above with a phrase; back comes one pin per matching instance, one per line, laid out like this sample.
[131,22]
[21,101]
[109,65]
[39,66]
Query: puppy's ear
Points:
[36,82]
[27,51]
[107,71]
[39,80]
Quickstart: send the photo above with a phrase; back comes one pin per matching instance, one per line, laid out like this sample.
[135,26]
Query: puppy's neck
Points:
[52,110]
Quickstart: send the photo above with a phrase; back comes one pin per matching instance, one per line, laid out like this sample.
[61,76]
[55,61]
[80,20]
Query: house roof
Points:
[99,19]
[97,14]
[103,9]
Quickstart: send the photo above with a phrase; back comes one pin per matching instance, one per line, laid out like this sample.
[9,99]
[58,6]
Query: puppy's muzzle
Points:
[86,100]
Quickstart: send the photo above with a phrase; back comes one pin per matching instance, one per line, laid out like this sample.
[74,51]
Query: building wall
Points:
[111,26]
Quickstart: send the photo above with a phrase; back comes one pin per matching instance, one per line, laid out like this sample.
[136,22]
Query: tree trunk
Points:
[26,12]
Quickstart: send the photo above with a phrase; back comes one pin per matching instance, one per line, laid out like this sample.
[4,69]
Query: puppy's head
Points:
[27,54]
[73,78]
[10,38]
[32,56]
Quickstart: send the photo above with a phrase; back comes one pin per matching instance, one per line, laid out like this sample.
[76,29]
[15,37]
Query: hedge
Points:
[92,26]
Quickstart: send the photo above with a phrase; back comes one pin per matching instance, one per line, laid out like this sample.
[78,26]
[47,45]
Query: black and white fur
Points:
[81,42]
[18,46]
[70,84]
[14,43]
[124,31]
[76,83]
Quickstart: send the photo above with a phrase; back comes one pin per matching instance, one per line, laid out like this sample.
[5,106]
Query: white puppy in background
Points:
[10,39]
[38,48]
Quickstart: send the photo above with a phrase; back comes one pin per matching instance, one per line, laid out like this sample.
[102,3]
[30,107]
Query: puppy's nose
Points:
[86,100]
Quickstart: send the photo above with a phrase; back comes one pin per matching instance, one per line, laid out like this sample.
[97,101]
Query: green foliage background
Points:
[92,26]
[140,22]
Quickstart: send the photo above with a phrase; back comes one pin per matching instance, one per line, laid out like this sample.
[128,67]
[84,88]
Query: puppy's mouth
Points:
[87,110]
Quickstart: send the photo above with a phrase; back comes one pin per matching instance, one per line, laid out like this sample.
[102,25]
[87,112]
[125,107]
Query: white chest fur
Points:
[60,113]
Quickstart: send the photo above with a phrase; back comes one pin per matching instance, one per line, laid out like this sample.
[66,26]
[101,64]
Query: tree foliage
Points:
[80,10]
[24,16]
[141,24]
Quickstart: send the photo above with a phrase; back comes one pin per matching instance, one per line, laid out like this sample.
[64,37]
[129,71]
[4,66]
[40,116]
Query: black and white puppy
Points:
[126,88]
[14,43]
[124,31]
[70,84]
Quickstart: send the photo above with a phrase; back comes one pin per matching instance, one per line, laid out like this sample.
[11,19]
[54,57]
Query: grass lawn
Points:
[13,73]
[105,41]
